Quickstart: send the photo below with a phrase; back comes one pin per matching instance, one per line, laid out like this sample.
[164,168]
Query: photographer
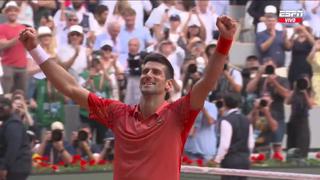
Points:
[298,126]
[81,142]
[266,81]
[20,108]
[54,146]
[263,122]
[230,81]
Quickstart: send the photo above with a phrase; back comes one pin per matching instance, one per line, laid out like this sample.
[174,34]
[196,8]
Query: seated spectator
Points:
[54,146]
[314,60]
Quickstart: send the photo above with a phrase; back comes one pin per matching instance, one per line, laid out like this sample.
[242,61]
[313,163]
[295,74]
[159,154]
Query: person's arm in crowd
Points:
[67,64]
[287,43]
[13,136]
[208,117]
[309,99]
[185,25]
[310,37]
[46,138]
[4,44]
[235,86]
[253,83]
[252,10]
[58,76]
[203,33]
[26,116]
[158,28]
[225,140]
[63,16]
[271,121]
[86,148]
[251,141]
[288,100]
[44,3]
[64,154]
[266,44]
[283,91]
[311,56]
[200,90]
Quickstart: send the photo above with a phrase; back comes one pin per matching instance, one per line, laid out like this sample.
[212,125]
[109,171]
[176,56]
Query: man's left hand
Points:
[3,174]
[227,26]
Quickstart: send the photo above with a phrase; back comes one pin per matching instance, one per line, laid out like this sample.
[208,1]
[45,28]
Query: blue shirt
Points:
[204,141]
[276,50]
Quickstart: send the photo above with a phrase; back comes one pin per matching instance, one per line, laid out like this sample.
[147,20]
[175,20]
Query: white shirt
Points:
[226,135]
[209,19]
[65,53]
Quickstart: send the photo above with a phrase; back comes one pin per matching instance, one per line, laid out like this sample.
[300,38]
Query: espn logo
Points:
[290,16]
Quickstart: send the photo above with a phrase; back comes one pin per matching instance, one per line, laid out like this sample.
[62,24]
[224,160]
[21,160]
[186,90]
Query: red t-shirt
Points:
[14,56]
[150,148]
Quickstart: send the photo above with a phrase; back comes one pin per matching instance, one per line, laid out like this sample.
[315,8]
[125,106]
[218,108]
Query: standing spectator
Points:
[314,60]
[112,34]
[236,137]
[312,8]
[194,27]
[301,44]
[25,16]
[277,88]
[14,59]
[298,127]
[271,42]
[15,149]
[42,8]
[63,27]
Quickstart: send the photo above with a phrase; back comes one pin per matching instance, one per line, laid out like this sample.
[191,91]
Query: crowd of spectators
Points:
[102,44]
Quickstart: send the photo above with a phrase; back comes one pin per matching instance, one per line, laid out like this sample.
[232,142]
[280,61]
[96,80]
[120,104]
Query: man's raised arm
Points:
[227,28]
[58,76]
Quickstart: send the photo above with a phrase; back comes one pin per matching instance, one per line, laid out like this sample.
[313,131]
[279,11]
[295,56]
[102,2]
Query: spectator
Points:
[271,42]
[298,127]
[15,150]
[236,137]
[194,27]
[312,8]
[101,16]
[54,146]
[202,142]
[130,30]
[25,16]
[63,28]
[73,56]
[20,108]
[113,30]
[314,60]
[14,58]
[230,81]
[42,8]
[301,44]
[269,10]
[277,88]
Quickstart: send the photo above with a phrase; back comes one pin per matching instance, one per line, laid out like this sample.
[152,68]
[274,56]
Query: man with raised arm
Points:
[149,137]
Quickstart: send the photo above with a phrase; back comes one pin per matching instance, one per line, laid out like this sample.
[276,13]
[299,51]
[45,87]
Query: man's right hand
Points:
[28,38]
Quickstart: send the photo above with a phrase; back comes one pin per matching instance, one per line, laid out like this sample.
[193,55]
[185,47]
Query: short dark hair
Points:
[252,57]
[5,101]
[100,9]
[129,12]
[231,100]
[156,57]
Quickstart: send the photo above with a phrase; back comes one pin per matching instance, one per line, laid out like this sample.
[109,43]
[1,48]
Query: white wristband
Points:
[39,55]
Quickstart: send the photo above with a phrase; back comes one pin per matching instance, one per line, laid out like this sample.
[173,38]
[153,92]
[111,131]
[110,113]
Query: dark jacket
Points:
[15,151]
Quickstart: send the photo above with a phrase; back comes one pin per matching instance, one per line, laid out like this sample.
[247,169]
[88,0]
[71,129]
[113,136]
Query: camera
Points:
[302,84]
[192,68]
[263,103]
[83,135]
[225,67]
[219,104]
[246,73]
[56,135]
[269,70]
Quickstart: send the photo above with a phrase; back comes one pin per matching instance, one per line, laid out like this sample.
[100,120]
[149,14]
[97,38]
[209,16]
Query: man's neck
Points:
[150,104]
[12,23]
[130,28]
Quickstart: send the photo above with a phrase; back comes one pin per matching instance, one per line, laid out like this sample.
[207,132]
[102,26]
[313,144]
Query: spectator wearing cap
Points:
[14,58]
[112,33]
[130,30]
[194,27]
[207,15]
[271,42]
[54,146]
[63,27]
[111,67]
[15,152]
[257,9]
[73,56]
[269,10]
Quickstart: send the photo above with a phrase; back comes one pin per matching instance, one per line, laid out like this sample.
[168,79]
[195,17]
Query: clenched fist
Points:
[227,26]
[28,38]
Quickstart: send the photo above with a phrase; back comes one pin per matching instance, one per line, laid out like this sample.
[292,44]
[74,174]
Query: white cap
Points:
[76,28]
[270,9]
[57,125]
[11,4]
[44,30]
[106,42]
[194,22]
